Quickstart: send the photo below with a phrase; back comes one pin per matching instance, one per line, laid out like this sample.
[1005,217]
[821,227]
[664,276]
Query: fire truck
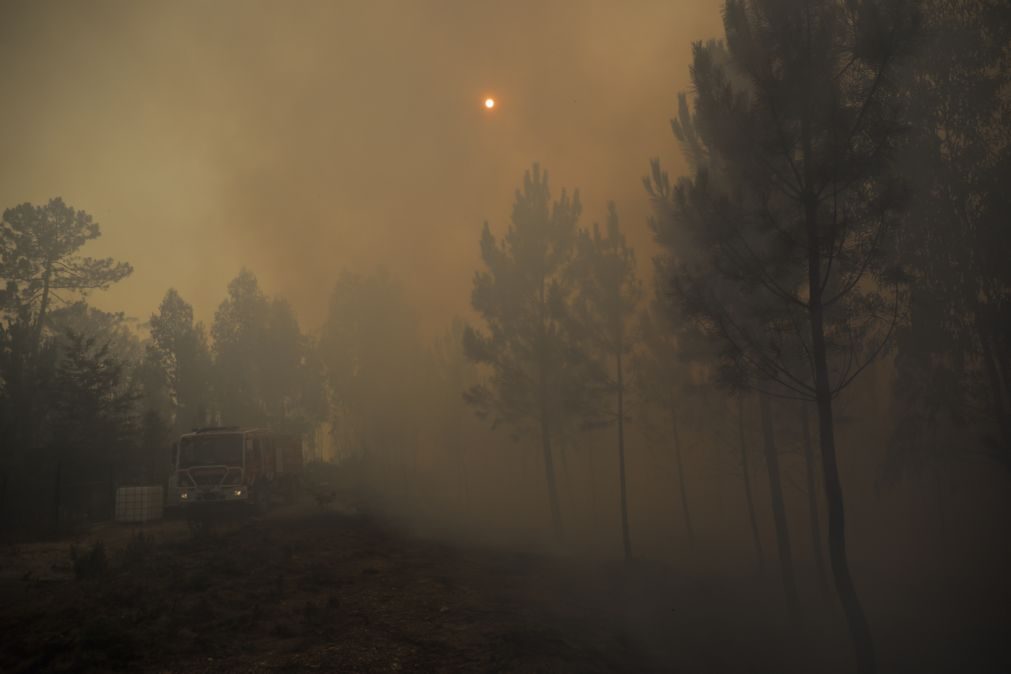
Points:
[236,466]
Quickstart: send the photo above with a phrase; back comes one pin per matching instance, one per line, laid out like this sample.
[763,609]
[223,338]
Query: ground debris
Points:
[327,591]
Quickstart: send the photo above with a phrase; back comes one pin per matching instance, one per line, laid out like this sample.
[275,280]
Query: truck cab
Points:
[226,465]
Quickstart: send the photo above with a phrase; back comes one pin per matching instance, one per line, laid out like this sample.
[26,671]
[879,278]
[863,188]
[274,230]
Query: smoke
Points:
[300,140]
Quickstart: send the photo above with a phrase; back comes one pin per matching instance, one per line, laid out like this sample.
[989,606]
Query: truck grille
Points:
[208,477]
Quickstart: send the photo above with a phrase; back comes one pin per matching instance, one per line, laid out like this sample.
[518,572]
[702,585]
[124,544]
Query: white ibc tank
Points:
[139,504]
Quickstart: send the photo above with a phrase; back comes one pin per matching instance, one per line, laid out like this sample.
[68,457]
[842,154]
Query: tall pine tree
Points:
[179,350]
[607,298]
[524,294]
[791,213]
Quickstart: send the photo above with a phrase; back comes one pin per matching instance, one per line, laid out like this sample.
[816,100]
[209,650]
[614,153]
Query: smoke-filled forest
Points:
[528,337]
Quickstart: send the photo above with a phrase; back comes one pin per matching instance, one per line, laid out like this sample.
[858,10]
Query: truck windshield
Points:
[211,450]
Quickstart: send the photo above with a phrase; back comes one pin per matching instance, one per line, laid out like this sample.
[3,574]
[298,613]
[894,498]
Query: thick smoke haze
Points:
[358,384]
[299,140]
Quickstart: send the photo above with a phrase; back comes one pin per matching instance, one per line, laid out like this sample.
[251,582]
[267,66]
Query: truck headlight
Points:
[184,495]
[237,492]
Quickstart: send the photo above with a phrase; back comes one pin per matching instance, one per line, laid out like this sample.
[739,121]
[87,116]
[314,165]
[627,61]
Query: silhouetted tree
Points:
[24,383]
[94,413]
[372,355]
[810,470]
[771,455]
[291,377]
[179,351]
[113,328]
[263,366]
[39,258]
[954,352]
[732,373]
[40,265]
[524,295]
[790,218]
[454,372]
[155,438]
[608,293]
[663,376]
[109,330]
[239,345]
[748,494]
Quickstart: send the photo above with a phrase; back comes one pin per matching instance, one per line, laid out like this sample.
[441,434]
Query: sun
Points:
[489,103]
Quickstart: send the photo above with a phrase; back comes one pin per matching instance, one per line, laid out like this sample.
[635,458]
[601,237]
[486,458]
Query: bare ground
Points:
[307,589]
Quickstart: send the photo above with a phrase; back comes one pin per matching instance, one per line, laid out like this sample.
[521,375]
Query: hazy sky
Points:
[302,138]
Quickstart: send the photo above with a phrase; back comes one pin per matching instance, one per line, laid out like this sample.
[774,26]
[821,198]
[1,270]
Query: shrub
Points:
[137,549]
[89,564]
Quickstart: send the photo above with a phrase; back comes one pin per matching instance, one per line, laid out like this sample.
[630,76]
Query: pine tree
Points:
[263,371]
[538,374]
[238,332]
[789,220]
[608,293]
[179,350]
[40,266]
[954,351]
[370,346]
[39,258]
[671,347]
[94,414]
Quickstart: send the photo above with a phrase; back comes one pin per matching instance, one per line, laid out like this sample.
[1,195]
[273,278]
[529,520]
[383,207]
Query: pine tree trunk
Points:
[939,498]
[681,475]
[860,632]
[996,390]
[40,319]
[1003,366]
[812,502]
[549,474]
[566,478]
[747,488]
[464,479]
[778,508]
[410,475]
[3,496]
[542,389]
[625,539]
[57,495]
